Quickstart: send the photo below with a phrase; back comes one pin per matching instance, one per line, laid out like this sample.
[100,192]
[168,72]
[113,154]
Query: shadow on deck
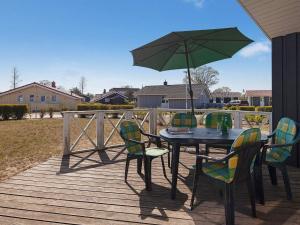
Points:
[89,188]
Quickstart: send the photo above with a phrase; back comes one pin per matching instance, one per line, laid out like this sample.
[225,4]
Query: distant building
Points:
[171,96]
[225,97]
[259,97]
[124,90]
[38,96]
[110,97]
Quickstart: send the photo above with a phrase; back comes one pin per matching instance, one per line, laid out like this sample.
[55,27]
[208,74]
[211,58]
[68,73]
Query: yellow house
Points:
[38,96]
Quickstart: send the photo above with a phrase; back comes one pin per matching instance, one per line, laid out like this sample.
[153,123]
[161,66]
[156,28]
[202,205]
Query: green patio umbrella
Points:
[190,49]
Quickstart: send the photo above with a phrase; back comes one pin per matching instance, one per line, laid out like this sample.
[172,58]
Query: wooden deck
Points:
[89,188]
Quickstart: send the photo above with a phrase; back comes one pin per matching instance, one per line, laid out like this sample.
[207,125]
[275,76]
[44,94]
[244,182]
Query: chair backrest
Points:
[130,130]
[285,132]
[184,120]
[212,119]
[243,160]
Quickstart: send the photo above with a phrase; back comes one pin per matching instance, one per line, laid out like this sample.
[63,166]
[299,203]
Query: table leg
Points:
[175,162]
[258,182]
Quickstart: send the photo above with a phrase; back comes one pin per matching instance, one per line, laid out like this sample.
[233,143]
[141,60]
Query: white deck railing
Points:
[106,126]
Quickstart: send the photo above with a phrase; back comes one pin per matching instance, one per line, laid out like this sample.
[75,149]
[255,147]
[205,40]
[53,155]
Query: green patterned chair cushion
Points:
[218,171]
[184,120]
[212,119]
[226,171]
[153,151]
[130,130]
[285,133]
[277,155]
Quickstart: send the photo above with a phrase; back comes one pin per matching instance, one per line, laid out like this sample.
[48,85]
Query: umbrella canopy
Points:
[190,49]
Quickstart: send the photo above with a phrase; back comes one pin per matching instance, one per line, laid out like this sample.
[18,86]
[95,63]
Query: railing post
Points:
[66,133]
[237,119]
[100,129]
[270,123]
[153,121]
[128,115]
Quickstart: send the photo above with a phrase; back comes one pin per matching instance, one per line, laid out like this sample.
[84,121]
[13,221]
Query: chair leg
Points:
[286,182]
[149,174]
[126,168]
[197,149]
[206,151]
[169,156]
[259,185]
[146,178]
[272,172]
[229,204]
[195,185]
[251,193]
[139,165]
[163,166]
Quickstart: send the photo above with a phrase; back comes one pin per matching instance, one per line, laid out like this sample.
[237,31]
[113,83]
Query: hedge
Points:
[263,109]
[99,106]
[12,111]
[250,108]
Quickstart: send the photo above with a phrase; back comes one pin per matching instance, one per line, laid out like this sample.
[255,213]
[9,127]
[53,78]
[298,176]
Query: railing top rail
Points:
[164,110]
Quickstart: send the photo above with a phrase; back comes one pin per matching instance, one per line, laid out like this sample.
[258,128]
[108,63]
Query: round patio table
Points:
[196,136]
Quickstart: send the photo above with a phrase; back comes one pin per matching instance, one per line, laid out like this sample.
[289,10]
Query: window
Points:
[43,98]
[53,98]
[31,98]
[164,100]
[20,98]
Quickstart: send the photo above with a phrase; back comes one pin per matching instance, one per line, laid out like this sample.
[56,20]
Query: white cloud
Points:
[197,3]
[254,49]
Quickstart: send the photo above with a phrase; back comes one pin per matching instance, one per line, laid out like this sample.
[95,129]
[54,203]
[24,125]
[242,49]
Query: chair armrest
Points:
[156,137]
[278,145]
[272,134]
[228,156]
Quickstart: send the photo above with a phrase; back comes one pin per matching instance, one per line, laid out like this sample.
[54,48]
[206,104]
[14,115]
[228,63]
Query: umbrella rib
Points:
[215,51]
[168,59]
[157,53]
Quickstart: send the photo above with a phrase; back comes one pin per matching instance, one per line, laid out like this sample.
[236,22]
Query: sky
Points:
[62,40]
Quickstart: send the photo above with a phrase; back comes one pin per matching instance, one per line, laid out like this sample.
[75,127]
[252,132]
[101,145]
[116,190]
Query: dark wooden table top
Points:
[204,136]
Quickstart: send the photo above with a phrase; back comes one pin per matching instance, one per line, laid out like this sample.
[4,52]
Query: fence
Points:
[106,123]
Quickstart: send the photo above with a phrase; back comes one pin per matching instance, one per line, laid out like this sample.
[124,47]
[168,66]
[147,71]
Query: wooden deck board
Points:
[89,188]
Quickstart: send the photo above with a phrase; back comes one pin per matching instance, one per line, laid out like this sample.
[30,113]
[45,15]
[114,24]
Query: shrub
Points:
[254,118]
[19,111]
[246,108]
[62,110]
[12,110]
[263,109]
[50,111]
[98,106]
[42,113]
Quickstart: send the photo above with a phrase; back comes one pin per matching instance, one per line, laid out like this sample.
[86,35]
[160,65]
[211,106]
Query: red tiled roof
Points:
[258,93]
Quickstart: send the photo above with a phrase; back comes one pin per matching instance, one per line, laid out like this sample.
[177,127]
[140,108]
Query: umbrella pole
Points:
[189,76]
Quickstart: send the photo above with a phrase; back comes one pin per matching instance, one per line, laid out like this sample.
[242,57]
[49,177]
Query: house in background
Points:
[38,96]
[259,97]
[110,97]
[126,91]
[171,96]
[225,97]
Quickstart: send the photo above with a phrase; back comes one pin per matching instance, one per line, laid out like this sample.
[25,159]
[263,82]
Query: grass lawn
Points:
[25,143]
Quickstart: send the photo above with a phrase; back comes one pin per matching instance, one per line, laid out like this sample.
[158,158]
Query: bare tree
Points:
[15,78]
[82,84]
[222,90]
[204,75]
